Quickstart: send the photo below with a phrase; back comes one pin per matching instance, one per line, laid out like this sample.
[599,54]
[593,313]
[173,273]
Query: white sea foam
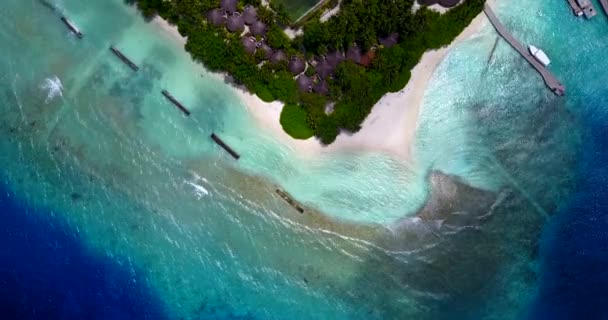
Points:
[53,87]
[199,190]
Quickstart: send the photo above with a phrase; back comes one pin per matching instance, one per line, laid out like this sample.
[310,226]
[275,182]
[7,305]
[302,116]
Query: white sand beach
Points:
[391,126]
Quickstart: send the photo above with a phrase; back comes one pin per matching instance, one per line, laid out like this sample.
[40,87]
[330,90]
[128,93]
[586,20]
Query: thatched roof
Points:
[267,50]
[216,17]
[304,83]
[248,44]
[334,58]
[321,87]
[235,23]
[258,28]
[228,5]
[278,57]
[250,15]
[367,58]
[390,40]
[296,65]
[443,3]
[448,3]
[323,68]
[354,54]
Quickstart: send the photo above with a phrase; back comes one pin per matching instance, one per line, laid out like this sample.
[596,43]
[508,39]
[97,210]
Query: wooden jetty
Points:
[72,27]
[604,4]
[124,59]
[549,79]
[222,144]
[289,200]
[175,102]
[575,8]
[587,7]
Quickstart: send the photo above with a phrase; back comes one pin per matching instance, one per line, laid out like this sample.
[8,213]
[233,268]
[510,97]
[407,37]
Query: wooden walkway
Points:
[604,4]
[549,79]
[575,8]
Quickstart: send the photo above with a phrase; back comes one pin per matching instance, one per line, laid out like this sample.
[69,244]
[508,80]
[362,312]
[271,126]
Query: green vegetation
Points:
[293,121]
[353,88]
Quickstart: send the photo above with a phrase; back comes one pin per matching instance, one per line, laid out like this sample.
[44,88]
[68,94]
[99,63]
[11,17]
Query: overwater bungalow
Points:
[278,56]
[249,44]
[258,28]
[250,15]
[296,65]
[235,23]
[216,17]
[304,83]
[228,6]
[323,68]
[390,40]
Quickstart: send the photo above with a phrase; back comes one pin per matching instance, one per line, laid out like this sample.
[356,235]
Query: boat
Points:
[539,55]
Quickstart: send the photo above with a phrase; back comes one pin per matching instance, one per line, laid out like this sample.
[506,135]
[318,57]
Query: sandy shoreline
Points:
[391,126]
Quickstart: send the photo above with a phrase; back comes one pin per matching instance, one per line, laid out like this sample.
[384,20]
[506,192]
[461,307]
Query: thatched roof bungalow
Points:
[258,28]
[249,45]
[334,58]
[296,65]
[278,56]
[443,3]
[250,15]
[323,68]
[321,87]
[266,50]
[216,17]
[304,83]
[235,23]
[389,40]
[354,54]
[228,5]
[367,58]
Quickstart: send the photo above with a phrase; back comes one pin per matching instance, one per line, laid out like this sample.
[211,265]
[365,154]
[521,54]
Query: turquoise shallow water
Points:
[142,186]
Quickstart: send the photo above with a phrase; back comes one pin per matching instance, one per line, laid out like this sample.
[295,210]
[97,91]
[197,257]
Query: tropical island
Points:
[330,65]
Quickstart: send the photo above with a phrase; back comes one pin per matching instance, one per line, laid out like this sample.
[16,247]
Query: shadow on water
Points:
[45,273]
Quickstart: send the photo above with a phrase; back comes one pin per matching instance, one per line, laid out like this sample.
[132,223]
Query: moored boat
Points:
[539,55]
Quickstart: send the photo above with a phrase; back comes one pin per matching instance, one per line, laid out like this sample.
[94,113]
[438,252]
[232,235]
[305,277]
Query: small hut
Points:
[334,58]
[216,17]
[448,3]
[235,23]
[258,28]
[304,83]
[367,58]
[354,54]
[249,45]
[266,50]
[228,5]
[250,15]
[278,56]
[321,87]
[296,65]
[323,68]
[390,40]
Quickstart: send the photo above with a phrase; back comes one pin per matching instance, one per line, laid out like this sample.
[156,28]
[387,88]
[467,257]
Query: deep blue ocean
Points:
[574,246]
[104,216]
[45,273]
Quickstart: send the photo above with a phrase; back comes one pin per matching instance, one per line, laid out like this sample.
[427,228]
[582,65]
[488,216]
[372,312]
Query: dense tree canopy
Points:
[353,88]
